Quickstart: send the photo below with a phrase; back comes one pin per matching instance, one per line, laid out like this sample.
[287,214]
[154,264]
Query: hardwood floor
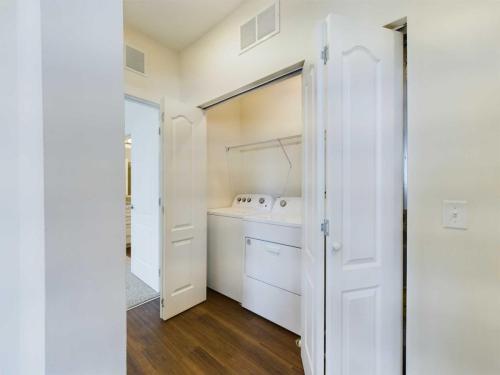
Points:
[215,337]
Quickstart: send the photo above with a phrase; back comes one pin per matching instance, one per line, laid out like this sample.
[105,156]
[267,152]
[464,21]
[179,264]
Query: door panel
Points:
[364,199]
[142,122]
[185,255]
[312,301]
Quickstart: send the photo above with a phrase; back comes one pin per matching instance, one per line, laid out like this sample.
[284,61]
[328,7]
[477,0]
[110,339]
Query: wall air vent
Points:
[263,26]
[248,34]
[135,60]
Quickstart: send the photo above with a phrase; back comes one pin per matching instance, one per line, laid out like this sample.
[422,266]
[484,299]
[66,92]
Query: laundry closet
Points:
[254,185]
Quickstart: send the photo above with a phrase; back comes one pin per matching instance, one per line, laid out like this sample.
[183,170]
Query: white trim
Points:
[142,101]
[142,303]
[160,181]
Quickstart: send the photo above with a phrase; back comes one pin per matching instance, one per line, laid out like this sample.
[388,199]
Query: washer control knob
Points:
[249,200]
[262,200]
[244,199]
[283,203]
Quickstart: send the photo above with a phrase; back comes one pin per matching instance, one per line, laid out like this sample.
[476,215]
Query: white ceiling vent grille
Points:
[135,60]
[266,22]
[248,34]
[263,26]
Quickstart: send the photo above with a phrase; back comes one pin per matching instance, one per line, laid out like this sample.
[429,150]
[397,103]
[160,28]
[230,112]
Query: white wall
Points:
[162,69]
[9,193]
[212,66]
[268,113]
[83,114]
[453,276]
[22,307]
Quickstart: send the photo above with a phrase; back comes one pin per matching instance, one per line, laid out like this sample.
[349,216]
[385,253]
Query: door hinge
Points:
[325,55]
[159,131]
[159,272]
[159,202]
[163,117]
[162,302]
[325,227]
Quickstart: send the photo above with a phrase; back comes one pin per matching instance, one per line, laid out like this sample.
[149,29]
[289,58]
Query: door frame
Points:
[160,181]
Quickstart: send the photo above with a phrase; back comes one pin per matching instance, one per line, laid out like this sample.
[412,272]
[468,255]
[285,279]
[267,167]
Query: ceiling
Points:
[176,23]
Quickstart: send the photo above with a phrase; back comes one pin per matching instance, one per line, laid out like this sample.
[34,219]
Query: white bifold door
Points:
[142,123]
[354,126]
[185,215]
[364,165]
[313,190]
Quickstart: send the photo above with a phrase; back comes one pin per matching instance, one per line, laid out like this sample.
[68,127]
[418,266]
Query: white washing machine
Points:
[272,278]
[226,243]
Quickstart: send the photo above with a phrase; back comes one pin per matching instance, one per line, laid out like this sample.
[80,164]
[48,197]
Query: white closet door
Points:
[142,122]
[185,241]
[364,199]
[313,281]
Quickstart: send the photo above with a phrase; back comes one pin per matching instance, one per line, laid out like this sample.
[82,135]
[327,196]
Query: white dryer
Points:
[272,279]
[226,244]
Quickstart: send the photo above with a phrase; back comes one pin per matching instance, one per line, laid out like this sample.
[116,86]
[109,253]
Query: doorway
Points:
[142,200]
[254,149]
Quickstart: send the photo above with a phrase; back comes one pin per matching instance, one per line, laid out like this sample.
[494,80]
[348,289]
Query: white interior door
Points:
[185,241]
[142,122]
[313,276]
[364,199]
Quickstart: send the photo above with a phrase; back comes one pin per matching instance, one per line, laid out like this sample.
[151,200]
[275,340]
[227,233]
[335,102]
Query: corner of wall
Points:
[162,78]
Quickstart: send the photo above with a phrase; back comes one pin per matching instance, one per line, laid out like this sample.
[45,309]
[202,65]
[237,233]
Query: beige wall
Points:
[272,112]
[454,86]
[223,128]
[454,134]
[267,113]
[162,69]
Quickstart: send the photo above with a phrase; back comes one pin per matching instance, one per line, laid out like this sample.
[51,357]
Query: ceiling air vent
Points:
[134,60]
[260,28]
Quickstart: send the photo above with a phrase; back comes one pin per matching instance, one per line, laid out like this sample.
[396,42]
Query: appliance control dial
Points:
[249,200]
[262,200]
[283,203]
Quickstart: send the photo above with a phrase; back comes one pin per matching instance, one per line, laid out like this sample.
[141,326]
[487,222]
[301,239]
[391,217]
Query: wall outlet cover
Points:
[455,214]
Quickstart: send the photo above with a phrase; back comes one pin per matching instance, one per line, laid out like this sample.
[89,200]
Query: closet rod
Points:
[279,140]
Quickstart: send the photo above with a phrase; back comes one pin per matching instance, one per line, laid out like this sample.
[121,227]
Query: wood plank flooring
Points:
[215,337]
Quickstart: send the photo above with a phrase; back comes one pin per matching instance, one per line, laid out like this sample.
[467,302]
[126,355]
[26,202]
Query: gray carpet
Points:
[138,292]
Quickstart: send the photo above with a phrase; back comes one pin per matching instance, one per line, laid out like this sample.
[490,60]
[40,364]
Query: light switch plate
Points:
[455,214]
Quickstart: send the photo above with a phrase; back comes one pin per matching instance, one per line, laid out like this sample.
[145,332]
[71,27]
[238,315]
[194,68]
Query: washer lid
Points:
[232,212]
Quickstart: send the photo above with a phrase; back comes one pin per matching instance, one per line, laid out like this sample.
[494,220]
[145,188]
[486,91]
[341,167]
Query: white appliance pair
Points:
[254,255]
